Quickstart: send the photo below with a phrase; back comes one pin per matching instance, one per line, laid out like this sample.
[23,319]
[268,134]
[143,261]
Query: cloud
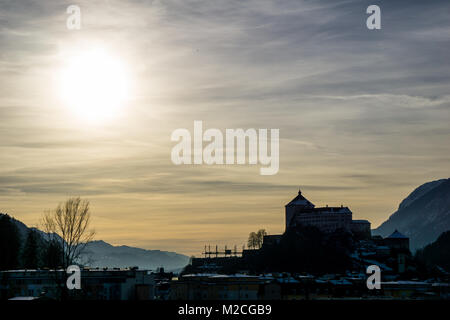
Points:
[356,109]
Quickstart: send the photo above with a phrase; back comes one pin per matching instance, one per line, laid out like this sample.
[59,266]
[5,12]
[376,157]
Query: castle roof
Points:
[300,200]
[331,210]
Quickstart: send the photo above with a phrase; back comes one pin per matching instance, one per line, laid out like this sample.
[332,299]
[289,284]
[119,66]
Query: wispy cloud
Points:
[362,114]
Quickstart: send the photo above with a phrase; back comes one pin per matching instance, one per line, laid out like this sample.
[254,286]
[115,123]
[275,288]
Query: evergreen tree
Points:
[435,255]
[9,243]
[31,252]
[53,255]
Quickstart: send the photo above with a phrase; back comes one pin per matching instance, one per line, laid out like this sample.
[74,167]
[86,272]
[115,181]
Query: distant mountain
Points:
[423,215]
[102,254]
[23,230]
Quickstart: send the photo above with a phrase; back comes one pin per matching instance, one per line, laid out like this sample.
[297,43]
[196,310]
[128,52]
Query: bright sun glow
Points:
[94,85]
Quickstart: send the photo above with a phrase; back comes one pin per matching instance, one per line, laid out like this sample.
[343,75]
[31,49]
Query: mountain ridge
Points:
[420,191]
[423,215]
[99,253]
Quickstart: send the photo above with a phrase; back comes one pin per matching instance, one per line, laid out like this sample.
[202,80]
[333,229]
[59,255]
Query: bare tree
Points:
[252,242]
[256,239]
[68,227]
[260,237]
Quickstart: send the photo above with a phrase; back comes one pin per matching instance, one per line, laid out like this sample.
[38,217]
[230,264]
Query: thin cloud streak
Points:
[363,115]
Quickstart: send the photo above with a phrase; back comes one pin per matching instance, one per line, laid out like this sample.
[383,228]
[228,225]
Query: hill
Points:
[423,215]
[102,254]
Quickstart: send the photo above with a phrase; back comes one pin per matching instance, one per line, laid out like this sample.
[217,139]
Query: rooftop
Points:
[361,221]
[397,235]
[300,200]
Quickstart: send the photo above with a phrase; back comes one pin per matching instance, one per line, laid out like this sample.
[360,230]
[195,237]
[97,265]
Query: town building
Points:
[205,286]
[286,286]
[397,241]
[96,284]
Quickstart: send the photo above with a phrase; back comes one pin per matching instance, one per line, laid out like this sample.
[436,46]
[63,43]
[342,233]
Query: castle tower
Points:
[298,204]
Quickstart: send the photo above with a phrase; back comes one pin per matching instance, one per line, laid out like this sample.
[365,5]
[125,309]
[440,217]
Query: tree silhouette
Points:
[252,242]
[31,252]
[68,233]
[255,239]
[68,229]
[435,258]
[260,237]
[9,243]
[52,255]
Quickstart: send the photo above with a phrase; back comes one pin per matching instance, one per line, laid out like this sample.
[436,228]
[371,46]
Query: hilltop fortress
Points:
[300,211]
[391,253]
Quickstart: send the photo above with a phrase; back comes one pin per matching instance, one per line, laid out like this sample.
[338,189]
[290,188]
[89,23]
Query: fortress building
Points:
[300,211]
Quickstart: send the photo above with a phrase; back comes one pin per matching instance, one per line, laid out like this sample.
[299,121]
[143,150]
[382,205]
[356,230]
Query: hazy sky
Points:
[363,115]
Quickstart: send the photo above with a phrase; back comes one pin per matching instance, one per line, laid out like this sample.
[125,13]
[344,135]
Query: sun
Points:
[94,85]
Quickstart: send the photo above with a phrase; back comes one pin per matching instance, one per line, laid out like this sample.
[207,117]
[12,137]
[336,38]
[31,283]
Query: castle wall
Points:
[325,221]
